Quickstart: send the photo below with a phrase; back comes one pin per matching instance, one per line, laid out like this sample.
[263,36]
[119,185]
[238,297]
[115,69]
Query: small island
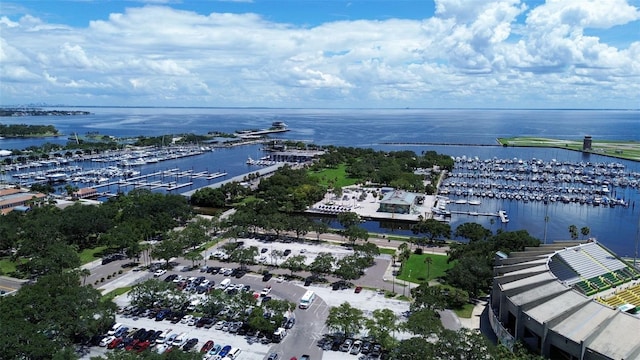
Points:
[628,150]
[23,130]
[13,112]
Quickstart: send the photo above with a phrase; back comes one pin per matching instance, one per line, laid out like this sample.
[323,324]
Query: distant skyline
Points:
[322,53]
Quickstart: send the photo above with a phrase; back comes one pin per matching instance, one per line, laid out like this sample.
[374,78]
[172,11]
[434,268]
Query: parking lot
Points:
[308,330]
[307,249]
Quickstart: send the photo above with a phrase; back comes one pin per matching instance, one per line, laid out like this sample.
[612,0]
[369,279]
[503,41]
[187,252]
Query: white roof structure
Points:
[562,307]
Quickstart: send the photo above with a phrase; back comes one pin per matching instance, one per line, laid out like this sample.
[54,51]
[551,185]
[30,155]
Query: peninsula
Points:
[628,150]
[39,112]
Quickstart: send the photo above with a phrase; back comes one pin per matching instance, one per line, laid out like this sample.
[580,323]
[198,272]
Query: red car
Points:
[113,344]
[142,346]
[207,346]
[131,345]
[358,289]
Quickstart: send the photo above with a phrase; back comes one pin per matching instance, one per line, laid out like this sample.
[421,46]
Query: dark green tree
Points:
[345,319]
[472,231]
[51,315]
[322,264]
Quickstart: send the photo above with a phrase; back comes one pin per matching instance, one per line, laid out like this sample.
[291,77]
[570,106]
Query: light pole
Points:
[546,217]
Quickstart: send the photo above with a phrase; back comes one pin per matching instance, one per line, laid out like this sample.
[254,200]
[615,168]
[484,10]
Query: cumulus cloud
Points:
[478,53]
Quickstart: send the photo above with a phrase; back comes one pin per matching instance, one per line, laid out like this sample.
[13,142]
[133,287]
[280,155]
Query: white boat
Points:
[278,125]
[56,177]
[461,201]
[475,202]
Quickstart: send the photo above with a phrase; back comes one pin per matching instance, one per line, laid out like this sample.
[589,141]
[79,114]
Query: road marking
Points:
[7,288]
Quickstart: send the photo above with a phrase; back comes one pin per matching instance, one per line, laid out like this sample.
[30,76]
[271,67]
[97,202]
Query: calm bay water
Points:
[397,129]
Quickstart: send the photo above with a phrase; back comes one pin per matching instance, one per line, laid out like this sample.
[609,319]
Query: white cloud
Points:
[477,53]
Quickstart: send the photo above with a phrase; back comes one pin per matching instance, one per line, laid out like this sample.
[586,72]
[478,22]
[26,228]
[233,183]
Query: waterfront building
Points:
[567,300]
[12,198]
[398,202]
[84,193]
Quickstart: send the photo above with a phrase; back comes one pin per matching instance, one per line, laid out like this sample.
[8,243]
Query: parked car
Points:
[273,356]
[225,350]
[190,344]
[114,328]
[355,348]
[159,272]
[346,345]
[267,276]
[121,331]
[289,323]
[358,289]
[305,357]
[265,291]
[207,346]
[163,314]
[106,340]
[375,350]
[214,350]
[114,343]
[286,252]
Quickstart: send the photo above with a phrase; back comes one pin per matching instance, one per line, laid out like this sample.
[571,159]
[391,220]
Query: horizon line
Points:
[31,106]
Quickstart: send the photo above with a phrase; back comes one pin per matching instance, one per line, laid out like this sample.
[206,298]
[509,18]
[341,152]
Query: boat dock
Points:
[240,178]
[475,213]
[158,179]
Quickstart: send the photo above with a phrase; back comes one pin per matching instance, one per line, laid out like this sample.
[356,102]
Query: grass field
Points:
[117,292]
[465,312]
[415,269]
[7,266]
[337,176]
[89,255]
[628,150]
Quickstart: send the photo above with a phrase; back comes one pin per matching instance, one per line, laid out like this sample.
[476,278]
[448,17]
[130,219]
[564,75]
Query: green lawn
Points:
[387,251]
[465,312]
[117,292]
[338,176]
[415,269]
[620,149]
[89,255]
[7,266]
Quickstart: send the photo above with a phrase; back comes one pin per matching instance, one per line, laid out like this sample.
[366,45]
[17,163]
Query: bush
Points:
[119,272]
[101,280]
[418,251]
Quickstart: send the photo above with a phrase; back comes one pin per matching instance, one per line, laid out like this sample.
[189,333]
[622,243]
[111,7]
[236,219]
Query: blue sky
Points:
[329,53]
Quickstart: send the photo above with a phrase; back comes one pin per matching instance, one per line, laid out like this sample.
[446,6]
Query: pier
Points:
[240,178]
[150,181]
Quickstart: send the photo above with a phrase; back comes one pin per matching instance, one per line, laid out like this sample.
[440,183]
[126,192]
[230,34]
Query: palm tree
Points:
[428,260]
[585,231]
[85,274]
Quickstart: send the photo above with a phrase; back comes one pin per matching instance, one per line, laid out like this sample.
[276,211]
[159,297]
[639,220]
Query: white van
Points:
[114,328]
[234,353]
[224,284]
[307,299]
[163,336]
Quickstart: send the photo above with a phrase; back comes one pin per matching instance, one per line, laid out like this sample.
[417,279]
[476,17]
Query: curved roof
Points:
[561,295]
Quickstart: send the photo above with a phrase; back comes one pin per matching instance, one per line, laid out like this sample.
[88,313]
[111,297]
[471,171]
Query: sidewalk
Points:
[474,321]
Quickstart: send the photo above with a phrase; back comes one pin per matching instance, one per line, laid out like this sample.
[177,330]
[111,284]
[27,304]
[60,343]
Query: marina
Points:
[585,183]
[417,130]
